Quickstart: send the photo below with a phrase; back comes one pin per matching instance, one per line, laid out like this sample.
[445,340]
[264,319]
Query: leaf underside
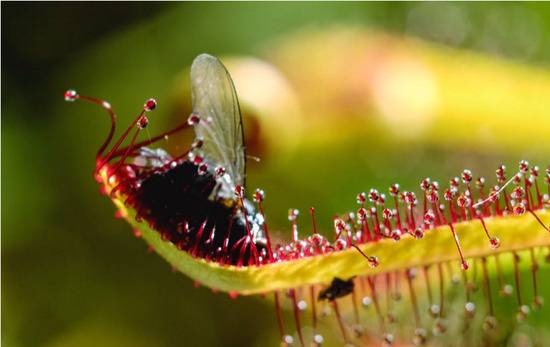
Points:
[437,245]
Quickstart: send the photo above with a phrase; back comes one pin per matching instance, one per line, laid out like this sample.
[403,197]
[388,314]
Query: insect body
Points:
[337,289]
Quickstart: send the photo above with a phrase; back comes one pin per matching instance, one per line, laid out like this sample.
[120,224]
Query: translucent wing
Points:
[221,127]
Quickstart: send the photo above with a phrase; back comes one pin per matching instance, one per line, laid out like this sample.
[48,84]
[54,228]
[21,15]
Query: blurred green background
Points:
[338,98]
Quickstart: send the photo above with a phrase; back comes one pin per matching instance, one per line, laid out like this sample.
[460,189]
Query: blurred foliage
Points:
[72,275]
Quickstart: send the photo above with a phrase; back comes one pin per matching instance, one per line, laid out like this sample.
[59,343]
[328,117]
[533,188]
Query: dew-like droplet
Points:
[373,261]
[219,171]
[293,214]
[239,191]
[519,208]
[518,193]
[480,182]
[366,301]
[454,183]
[202,169]
[193,119]
[361,198]
[71,95]
[143,122]
[523,166]
[432,196]
[425,184]
[466,176]
[470,309]
[394,189]
[340,245]
[522,313]
[197,159]
[318,339]
[495,242]
[374,195]
[302,305]
[465,265]
[500,173]
[420,336]
[410,198]
[150,105]
[434,310]
[507,290]
[197,143]
[259,195]
[362,214]
[463,201]
[418,233]
[535,171]
[287,340]
[449,194]
[396,235]
[429,217]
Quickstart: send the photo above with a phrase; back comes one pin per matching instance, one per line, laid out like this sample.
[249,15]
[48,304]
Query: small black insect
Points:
[337,289]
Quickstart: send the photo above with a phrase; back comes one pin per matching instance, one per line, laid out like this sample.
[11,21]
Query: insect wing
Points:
[220,126]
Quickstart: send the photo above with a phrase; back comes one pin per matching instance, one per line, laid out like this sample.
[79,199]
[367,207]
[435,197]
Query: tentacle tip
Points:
[522,313]
[70,95]
[469,309]
[373,261]
[506,290]
[434,310]
[259,195]
[143,122]
[318,339]
[465,265]
[150,105]
[193,119]
[420,336]
[494,242]
[287,340]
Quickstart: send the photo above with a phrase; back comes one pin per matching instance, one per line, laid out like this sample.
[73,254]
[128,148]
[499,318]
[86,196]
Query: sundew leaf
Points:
[437,245]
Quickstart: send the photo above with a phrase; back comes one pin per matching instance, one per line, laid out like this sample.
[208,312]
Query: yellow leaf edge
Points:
[437,245]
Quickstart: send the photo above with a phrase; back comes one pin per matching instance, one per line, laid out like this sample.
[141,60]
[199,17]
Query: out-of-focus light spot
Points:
[265,91]
[442,22]
[405,94]
[259,83]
